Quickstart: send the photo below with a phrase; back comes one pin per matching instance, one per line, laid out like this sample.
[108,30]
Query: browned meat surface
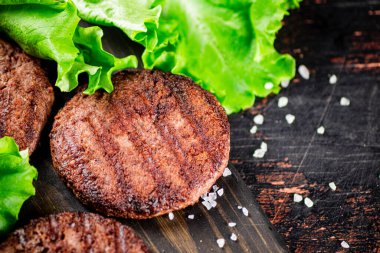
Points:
[154,145]
[73,232]
[26,96]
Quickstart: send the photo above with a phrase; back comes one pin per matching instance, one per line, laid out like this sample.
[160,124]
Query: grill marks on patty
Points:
[26,96]
[73,232]
[152,146]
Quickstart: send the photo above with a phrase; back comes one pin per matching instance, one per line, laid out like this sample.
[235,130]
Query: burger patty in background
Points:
[73,232]
[26,96]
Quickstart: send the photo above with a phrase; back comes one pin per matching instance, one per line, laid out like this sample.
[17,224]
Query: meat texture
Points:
[154,145]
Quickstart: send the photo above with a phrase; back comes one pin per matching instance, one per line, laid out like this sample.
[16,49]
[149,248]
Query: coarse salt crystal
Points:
[333,79]
[344,101]
[207,204]
[171,216]
[258,119]
[191,216]
[233,237]
[268,86]
[321,130]
[231,224]
[282,102]
[284,83]
[253,130]
[220,192]
[308,202]
[332,186]
[213,203]
[304,72]
[290,118]
[264,146]
[220,242]
[240,207]
[345,245]
[259,153]
[227,172]
[245,211]
[212,196]
[297,198]
[215,187]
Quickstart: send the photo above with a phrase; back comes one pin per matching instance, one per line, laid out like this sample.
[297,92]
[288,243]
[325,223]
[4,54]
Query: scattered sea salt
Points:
[213,203]
[191,216]
[321,130]
[308,202]
[220,192]
[344,101]
[282,102]
[245,211]
[259,153]
[333,79]
[268,86]
[290,118]
[240,207]
[227,172]
[297,198]
[284,83]
[304,72]
[253,130]
[264,146]
[233,237]
[171,216]
[220,242]
[231,224]
[206,204]
[258,119]
[215,187]
[332,186]
[345,245]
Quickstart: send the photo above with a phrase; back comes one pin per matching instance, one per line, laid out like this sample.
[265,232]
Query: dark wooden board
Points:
[339,37]
[255,233]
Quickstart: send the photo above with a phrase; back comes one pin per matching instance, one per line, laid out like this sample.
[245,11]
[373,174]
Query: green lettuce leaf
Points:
[136,18]
[47,32]
[225,46]
[16,182]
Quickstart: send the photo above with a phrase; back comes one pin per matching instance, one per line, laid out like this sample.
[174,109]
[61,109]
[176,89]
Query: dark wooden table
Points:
[339,37]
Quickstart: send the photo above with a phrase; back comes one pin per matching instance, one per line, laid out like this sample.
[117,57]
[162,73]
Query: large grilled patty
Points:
[73,232]
[154,145]
[26,96]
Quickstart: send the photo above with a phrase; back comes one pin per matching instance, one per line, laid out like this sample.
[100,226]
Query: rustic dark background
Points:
[339,37]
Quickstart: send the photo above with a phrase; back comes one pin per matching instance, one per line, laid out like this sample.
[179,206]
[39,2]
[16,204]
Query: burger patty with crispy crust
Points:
[154,145]
[73,232]
[26,96]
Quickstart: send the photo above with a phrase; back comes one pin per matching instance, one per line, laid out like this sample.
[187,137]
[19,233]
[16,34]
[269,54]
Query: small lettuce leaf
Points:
[225,46]
[16,182]
[51,33]
[136,18]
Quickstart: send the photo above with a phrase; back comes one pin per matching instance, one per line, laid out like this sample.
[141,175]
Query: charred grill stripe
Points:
[136,136]
[106,144]
[168,137]
[186,109]
[77,153]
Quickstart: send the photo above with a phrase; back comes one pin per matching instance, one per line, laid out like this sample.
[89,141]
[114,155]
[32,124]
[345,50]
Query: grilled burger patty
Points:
[26,96]
[154,145]
[73,232]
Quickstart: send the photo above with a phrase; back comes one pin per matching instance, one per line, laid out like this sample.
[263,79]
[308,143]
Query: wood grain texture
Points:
[330,37]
